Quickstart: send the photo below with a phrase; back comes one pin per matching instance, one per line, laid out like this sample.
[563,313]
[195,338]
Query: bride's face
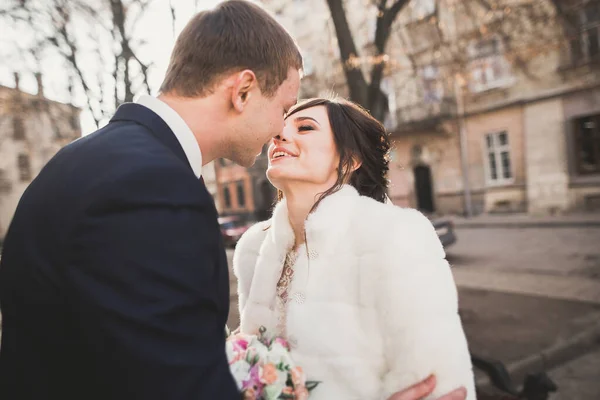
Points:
[305,152]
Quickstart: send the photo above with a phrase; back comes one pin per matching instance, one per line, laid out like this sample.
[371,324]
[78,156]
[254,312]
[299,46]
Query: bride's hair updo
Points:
[359,138]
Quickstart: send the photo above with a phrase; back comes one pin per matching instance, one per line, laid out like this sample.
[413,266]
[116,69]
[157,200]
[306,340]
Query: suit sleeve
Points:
[418,304]
[145,272]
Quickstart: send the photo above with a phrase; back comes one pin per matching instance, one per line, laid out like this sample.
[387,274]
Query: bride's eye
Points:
[304,128]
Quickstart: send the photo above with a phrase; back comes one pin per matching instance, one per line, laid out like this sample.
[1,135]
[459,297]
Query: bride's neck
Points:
[299,204]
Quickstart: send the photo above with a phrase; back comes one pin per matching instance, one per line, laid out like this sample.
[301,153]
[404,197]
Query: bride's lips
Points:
[280,153]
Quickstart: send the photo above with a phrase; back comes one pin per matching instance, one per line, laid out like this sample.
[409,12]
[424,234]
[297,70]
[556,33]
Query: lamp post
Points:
[459,82]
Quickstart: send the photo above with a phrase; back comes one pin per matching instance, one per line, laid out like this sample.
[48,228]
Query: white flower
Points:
[279,354]
[240,370]
[256,348]
[229,351]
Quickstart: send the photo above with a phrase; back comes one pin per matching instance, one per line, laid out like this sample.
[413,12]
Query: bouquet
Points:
[263,368]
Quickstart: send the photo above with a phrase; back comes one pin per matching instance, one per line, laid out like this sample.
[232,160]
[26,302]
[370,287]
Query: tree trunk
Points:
[368,95]
[357,85]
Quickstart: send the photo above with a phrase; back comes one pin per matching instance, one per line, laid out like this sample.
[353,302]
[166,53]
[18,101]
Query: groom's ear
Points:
[242,89]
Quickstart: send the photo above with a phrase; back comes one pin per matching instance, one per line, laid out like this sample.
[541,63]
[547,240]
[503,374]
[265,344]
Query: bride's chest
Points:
[332,293]
[342,277]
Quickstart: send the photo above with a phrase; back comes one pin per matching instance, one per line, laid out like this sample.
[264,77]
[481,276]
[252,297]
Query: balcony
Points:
[424,116]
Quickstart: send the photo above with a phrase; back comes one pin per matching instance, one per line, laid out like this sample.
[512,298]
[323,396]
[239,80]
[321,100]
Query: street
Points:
[572,252]
[523,290]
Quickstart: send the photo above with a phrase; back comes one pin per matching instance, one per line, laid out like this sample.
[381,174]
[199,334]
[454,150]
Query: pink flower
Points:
[287,390]
[298,377]
[239,344]
[249,394]
[268,374]
[283,342]
[253,380]
[301,393]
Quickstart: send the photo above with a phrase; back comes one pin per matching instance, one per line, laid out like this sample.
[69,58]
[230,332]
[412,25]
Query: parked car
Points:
[232,228]
[445,229]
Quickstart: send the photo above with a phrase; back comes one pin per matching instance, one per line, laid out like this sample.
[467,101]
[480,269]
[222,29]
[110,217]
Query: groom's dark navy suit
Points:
[113,279]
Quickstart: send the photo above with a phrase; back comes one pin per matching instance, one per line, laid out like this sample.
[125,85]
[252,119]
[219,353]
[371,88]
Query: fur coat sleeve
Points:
[417,298]
[244,259]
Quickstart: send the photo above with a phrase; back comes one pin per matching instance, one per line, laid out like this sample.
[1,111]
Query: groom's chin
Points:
[247,161]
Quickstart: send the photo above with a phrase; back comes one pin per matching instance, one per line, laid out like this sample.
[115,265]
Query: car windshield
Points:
[231,224]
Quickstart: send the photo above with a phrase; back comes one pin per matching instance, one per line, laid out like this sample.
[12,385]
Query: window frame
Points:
[577,139]
[497,149]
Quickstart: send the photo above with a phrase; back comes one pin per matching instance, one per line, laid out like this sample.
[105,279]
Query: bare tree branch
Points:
[172,15]
[71,57]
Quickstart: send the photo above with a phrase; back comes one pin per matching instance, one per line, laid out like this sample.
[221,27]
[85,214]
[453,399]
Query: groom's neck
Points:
[203,117]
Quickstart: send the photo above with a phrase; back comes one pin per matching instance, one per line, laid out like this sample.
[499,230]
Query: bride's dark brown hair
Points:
[359,138]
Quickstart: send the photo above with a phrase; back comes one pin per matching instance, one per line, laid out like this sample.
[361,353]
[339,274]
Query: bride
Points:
[360,288]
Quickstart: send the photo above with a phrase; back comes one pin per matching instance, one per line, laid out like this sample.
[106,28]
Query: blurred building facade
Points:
[244,192]
[525,98]
[32,129]
[209,175]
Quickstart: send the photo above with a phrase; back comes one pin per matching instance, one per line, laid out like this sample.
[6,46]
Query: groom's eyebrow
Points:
[299,119]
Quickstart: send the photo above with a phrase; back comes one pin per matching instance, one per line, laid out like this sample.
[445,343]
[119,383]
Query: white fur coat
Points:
[377,307]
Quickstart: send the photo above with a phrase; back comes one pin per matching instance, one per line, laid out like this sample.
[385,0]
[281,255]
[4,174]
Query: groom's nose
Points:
[284,135]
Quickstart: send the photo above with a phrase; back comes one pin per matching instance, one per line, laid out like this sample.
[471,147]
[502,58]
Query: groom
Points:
[114,281]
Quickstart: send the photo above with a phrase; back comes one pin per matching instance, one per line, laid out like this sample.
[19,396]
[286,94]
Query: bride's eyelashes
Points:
[304,128]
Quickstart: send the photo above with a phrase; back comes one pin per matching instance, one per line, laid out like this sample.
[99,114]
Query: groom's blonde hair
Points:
[234,36]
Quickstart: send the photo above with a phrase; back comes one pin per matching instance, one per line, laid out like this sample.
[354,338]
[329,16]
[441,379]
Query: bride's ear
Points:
[348,170]
[243,85]
[356,163]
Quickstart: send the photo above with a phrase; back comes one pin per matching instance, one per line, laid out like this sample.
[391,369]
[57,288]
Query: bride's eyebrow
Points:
[300,119]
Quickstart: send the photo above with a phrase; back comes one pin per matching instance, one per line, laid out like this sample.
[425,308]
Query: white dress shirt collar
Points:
[182,131]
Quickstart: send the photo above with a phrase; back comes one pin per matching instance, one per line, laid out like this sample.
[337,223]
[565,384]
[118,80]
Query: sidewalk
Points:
[578,379]
[528,334]
[528,221]
[572,288]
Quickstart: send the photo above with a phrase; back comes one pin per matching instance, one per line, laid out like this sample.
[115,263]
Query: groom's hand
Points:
[423,388]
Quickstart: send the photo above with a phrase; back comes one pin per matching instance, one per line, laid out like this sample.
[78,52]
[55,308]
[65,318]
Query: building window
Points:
[433,91]
[498,158]
[422,8]
[18,128]
[587,145]
[241,195]
[24,167]
[585,37]
[388,88]
[488,67]
[226,197]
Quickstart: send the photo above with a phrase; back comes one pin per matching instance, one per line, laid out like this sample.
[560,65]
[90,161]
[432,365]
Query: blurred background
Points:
[493,108]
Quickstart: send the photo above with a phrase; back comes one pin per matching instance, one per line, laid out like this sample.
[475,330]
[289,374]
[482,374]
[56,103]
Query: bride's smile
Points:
[300,158]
